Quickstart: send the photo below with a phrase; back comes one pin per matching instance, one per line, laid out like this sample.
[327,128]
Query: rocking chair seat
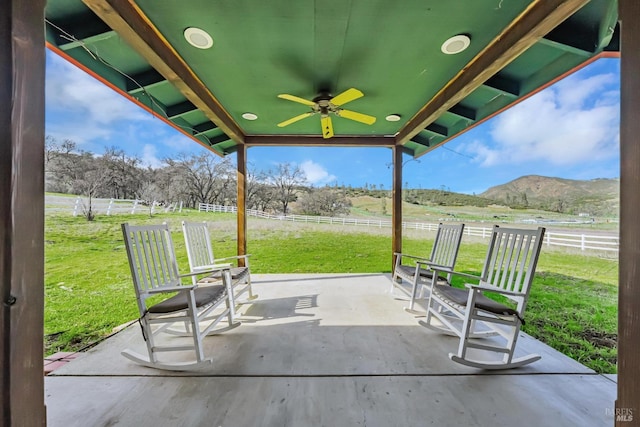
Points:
[204,296]
[409,271]
[460,297]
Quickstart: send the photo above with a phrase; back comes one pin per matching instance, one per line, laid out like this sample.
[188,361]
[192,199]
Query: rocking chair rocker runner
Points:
[192,312]
[467,313]
[200,254]
[443,254]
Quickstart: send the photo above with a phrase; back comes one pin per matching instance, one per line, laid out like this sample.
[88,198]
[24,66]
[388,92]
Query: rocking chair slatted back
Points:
[445,250]
[511,262]
[151,257]
[199,248]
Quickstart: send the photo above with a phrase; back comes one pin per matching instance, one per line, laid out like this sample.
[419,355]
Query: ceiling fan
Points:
[326,104]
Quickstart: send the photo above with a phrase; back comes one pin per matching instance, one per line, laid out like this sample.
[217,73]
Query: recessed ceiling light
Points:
[392,118]
[455,44]
[198,38]
[249,116]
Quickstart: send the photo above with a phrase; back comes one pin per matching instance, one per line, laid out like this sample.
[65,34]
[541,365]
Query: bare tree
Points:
[125,174]
[204,178]
[90,181]
[325,202]
[260,194]
[61,165]
[287,178]
[74,171]
[149,193]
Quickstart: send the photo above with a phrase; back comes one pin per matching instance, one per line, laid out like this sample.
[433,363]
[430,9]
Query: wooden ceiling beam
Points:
[218,139]
[564,47]
[180,109]
[318,141]
[135,28]
[504,85]
[535,22]
[422,140]
[142,81]
[464,112]
[80,29]
[205,127]
[438,129]
[564,35]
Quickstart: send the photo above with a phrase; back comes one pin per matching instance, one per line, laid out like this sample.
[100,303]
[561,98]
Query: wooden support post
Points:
[22,63]
[396,216]
[242,202]
[628,403]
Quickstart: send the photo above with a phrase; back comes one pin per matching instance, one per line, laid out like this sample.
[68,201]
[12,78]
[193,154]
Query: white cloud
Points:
[181,144]
[85,106]
[316,174]
[150,156]
[575,121]
[573,92]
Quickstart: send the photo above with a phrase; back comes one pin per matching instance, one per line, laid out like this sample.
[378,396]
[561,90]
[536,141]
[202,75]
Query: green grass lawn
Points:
[88,289]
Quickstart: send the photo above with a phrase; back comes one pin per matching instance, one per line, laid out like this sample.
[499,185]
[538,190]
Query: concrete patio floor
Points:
[325,350]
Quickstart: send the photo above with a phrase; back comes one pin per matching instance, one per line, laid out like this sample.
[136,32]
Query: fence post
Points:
[582,241]
[135,205]
[110,206]
[77,205]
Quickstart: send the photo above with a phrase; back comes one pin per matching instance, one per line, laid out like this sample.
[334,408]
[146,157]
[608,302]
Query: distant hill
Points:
[426,197]
[597,197]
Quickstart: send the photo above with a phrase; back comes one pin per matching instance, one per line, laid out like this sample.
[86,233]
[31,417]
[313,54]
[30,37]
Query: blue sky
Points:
[570,130]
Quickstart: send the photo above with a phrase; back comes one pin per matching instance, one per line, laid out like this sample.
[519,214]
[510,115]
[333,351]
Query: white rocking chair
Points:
[443,254]
[192,311]
[201,258]
[509,269]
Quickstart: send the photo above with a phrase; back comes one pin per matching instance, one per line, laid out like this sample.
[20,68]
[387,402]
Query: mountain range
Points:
[596,197]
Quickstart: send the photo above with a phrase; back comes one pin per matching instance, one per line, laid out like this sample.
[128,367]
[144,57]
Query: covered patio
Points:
[434,70]
[326,349]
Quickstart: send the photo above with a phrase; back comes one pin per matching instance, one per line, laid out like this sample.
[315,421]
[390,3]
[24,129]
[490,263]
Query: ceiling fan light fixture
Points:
[249,116]
[393,118]
[197,37]
[455,44]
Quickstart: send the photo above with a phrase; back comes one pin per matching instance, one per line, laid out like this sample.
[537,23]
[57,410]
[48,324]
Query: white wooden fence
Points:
[78,204]
[602,242]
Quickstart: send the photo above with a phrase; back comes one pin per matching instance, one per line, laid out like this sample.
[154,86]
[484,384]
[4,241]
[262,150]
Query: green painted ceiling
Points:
[390,50]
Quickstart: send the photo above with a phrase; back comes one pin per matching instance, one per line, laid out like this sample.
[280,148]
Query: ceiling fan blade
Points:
[346,96]
[327,127]
[296,99]
[294,119]
[358,117]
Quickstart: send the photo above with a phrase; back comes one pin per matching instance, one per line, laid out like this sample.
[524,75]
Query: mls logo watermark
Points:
[620,414]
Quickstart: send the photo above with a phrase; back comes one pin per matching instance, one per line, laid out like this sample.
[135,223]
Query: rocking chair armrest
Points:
[207,269]
[491,289]
[232,257]
[435,268]
[169,289]
[399,254]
